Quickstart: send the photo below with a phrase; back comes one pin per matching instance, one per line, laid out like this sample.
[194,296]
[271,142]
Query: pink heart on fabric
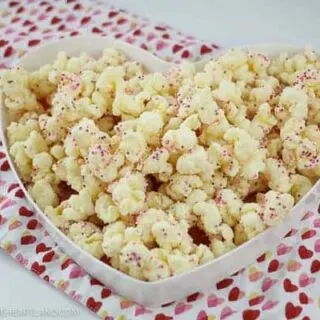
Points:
[75,296]
[317,246]
[141,310]
[42,16]
[305,280]
[307,215]
[226,312]
[214,301]
[161,45]
[71,17]
[181,308]
[76,272]
[151,36]
[316,223]
[268,283]
[293,265]
[269,305]
[7,204]
[283,249]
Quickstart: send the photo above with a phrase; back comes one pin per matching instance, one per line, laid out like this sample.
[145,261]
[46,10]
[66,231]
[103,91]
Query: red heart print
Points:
[85,20]
[76,272]
[261,258]
[256,300]
[137,32]
[224,283]
[74,33]
[93,305]
[61,27]
[94,281]
[96,30]
[78,6]
[176,48]
[185,54]
[205,49]
[55,20]
[315,266]
[292,311]
[41,247]
[2,155]
[274,266]
[305,253]
[2,44]
[166,36]
[308,234]
[113,14]
[202,315]
[46,278]
[107,24]
[38,268]
[304,299]
[24,212]
[70,1]
[160,28]
[5,166]
[194,297]
[305,318]
[19,193]
[49,256]
[162,316]
[20,10]
[250,314]
[235,294]
[13,186]
[28,239]
[13,3]
[33,28]
[66,264]
[50,8]
[33,224]
[105,293]
[121,21]
[27,23]
[289,286]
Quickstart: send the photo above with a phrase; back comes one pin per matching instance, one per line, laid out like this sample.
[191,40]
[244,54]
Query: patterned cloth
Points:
[280,285]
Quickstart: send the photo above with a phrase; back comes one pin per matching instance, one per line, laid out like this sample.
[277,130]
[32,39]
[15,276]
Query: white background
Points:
[225,22]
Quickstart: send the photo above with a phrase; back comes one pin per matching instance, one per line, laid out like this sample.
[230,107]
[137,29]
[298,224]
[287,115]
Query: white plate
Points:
[177,287]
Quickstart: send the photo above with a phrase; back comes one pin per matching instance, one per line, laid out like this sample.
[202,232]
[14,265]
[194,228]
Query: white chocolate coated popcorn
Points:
[163,172]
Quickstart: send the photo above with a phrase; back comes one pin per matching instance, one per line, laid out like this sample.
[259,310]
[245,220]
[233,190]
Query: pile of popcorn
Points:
[159,173]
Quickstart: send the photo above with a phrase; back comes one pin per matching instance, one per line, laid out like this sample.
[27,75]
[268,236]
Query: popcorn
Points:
[195,162]
[209,215]
[43,194]
[229,205]
[132,259]
[113,238]
[292,103]
[155,265]
[275,206]
[79,206]
[129,194]
[251,220]
[88,237]
[22,160]
[145,222]
[277,175]
[34,144]
[105,208]
[133,146]
[182,139]
[149,158]
[300,185]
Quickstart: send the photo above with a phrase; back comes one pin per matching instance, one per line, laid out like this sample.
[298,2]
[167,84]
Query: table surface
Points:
[226,22]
